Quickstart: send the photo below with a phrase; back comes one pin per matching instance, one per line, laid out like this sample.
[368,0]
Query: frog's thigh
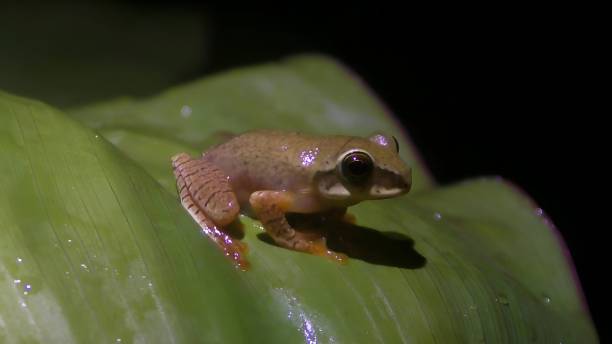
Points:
[270,208]
[203,185]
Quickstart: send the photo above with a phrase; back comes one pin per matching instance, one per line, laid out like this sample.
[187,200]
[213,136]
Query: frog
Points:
[269,174]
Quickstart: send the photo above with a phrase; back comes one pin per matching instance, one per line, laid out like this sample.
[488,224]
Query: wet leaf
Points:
[95,246]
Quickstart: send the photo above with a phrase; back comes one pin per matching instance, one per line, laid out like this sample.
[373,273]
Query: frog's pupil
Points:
[357,166]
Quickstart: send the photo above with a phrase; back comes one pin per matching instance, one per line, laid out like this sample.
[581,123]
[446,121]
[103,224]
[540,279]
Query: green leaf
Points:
[95,246]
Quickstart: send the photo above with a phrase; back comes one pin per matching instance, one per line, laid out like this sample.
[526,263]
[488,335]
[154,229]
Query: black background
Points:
[482,91]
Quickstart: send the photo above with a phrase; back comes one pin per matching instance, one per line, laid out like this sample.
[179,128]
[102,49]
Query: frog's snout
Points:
[406,180]
[391,184]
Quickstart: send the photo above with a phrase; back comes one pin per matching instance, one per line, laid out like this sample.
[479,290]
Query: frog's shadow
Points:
[358,242]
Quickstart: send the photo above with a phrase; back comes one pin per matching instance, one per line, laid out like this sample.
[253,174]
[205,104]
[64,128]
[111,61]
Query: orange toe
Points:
[318,248]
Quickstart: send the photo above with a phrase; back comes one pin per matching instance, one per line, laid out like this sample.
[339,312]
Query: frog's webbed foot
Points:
[206,194]
[270,208]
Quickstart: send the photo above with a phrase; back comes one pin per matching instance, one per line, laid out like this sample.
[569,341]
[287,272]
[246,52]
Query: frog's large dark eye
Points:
[357,167]
[396,144]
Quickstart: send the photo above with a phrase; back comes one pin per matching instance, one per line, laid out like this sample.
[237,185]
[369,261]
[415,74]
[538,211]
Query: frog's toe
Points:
[236,251]
[242,246]
[240,262]
[319,248]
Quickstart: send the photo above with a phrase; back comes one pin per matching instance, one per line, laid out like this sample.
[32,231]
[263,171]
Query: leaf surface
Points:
[95,245]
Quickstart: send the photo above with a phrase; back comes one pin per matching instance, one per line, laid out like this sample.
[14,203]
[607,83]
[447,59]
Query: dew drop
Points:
[27,288]
[547,299]
[84,267]
[539,211]
[97,136]
[17,281]
[23,304]
[150,284]
[437,216]
[69,241]
[19,260]
[118,340]
[501,299]
[186,111]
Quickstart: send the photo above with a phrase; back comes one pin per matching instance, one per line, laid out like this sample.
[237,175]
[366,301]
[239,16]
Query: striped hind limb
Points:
[207,196]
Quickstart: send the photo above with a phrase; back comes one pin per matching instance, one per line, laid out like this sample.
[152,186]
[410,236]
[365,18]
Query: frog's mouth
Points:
[386,184]
[376,192]
[382,184]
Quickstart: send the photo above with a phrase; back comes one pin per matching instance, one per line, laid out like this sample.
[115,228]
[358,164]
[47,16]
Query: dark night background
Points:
[481,91]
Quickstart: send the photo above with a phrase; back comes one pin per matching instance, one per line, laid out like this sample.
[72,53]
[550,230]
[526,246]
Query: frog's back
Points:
[274,160]
[266,146]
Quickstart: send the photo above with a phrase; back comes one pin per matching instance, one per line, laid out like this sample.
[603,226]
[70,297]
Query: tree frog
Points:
[270,173]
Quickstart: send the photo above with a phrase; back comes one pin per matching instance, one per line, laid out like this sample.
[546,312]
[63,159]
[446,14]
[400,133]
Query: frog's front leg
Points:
[207,196]
[270,208]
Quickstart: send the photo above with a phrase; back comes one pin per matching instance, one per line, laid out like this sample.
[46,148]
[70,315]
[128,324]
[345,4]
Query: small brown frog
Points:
[270,173]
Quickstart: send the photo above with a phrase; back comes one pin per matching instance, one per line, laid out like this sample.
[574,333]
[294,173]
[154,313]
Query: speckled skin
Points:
[288,161]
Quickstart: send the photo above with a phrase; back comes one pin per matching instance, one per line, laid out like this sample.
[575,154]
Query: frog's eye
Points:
[396,144]
[356,167]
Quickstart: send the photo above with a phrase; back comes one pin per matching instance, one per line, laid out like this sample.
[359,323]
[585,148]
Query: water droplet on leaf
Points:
[501,299]
[186,111]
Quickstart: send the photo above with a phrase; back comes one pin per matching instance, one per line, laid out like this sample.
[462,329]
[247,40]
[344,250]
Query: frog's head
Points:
[365,168]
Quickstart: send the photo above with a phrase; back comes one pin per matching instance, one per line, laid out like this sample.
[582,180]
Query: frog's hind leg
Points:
[270,208]
[208,187]
[206,194]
